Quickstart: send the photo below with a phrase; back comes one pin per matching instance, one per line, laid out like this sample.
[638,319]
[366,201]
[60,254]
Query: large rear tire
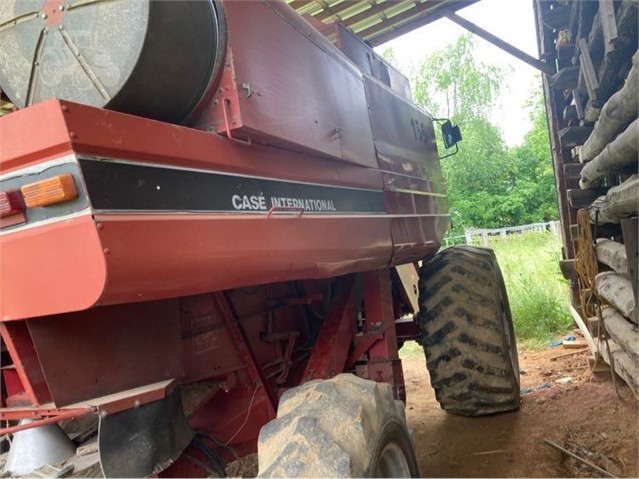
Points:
[467,332]
[341,427]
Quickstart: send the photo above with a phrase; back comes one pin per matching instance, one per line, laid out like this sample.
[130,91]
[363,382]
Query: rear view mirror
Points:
[451,134]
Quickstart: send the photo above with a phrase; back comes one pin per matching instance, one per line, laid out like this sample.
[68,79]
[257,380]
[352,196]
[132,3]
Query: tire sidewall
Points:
[395,431]
[509,341]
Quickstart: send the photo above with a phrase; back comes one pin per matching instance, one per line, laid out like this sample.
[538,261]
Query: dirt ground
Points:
[585,416]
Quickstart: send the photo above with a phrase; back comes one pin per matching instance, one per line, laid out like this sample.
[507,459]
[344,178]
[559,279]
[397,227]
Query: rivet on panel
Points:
[99,226]
[73,134]
[107,251]
[65,108]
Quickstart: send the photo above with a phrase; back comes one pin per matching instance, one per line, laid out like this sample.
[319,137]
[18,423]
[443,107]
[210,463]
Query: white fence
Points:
[484,234]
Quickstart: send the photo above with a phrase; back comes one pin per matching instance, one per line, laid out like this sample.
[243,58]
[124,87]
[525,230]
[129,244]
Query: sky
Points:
[515,25]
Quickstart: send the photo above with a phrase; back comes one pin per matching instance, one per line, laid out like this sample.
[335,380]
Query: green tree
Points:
[532,166]
[489,185]
[453,83]
[389,55]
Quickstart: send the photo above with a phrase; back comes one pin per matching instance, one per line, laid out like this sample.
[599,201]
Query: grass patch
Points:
[410,349]
[538,293]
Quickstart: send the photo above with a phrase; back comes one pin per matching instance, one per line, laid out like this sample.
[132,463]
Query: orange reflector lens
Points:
[50,191]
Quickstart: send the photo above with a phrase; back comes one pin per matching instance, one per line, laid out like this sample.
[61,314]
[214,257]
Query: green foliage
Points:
[489,185]
[533,162]
[452,83]
[389,56]
[538,293]
[411,349]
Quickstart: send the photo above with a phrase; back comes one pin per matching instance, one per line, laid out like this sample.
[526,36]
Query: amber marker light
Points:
[10,203]
[50,191]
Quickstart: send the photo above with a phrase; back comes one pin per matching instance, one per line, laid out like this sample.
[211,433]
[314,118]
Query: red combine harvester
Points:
[210,211]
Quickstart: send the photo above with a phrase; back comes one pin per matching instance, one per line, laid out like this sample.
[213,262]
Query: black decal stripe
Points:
[115,186]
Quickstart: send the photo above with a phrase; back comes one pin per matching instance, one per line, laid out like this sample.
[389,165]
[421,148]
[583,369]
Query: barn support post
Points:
[560,154]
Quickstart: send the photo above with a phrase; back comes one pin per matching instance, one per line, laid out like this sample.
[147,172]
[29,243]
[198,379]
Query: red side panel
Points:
[104,350]
[115,135]
[299,91]
[153,256]
[404,135]
[18,341]
[51,269]
[32,136]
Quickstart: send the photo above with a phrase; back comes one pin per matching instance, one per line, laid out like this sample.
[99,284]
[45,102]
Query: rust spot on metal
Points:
[53,12]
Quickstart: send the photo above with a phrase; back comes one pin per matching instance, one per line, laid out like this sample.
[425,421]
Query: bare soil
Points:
[586,416]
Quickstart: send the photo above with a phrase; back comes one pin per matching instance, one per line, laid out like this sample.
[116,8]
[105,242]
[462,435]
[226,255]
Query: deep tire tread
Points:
[332,428]
[467,334]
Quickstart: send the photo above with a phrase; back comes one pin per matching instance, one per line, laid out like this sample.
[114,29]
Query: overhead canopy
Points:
[378,21]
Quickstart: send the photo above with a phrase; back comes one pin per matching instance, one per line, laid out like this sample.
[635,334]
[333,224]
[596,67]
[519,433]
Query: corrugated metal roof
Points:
[378,21]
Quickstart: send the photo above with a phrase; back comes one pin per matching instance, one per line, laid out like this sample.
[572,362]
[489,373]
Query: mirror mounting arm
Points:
[451,154]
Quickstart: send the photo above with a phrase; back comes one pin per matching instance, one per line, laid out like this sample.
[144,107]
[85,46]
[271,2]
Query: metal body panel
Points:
[63,263]
[33,136]
[320,109]
[415,238]
[154,256]
[107,350]
[135,443]
[17,339]
[105,133]
[367,59]
[404,135]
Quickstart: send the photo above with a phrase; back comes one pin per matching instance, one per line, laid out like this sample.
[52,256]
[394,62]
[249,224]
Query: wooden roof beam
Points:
[394,22]
[334,10]
[499,43]
[379,34]
[368,13]
[297,4]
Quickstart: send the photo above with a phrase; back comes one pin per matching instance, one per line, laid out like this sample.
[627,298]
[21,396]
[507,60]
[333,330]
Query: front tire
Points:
[467,332]
[345,426]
